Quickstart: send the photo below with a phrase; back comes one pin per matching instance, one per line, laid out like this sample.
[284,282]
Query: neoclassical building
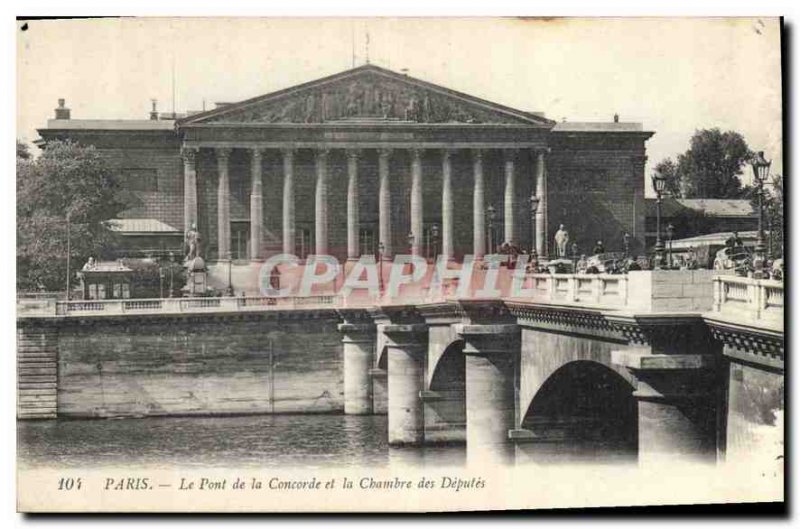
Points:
[368,160]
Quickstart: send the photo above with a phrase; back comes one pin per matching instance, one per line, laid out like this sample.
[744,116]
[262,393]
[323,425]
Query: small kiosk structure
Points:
[105,280]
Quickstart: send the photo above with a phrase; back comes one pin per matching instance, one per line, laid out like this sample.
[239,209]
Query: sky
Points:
[673,75]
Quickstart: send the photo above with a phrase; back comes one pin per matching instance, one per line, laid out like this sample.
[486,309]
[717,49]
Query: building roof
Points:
[709,239]
[712,207]
[110,124]
[720,207]
[134,226]
[598,126]
[106,267]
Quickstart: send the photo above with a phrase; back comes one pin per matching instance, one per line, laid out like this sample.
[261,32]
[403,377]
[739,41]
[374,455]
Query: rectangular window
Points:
[240,239]
[140,179]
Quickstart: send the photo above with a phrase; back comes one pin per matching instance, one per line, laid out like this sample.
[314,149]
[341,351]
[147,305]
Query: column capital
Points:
[288,152]
[541,150]
[416,152]
[223,153]
[189,153]
[477,155]
[257,152]
[385,152]
[510,155]
[352,153]
[321,153]
[447,152]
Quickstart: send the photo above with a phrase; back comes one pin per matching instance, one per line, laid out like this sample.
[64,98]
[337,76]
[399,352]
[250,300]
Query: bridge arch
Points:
[583,411]
[445,400]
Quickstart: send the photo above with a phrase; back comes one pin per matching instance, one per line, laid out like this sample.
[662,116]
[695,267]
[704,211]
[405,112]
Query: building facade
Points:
[369,161]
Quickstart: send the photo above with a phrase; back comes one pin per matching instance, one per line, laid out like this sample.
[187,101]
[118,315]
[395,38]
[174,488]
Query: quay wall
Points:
[203,365]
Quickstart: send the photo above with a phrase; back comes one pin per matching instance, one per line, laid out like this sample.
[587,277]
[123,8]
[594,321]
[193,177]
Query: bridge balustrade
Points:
[754,300]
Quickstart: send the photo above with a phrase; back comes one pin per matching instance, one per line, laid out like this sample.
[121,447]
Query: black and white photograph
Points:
[377,264]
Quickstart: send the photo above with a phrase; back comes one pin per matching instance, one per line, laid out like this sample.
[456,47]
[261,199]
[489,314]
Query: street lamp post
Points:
[659,185]
[435,241]
[490,214]
[171,273]
[760,172]
[381,249]
[534,207]
[229,291]
[670,233]
[626,244]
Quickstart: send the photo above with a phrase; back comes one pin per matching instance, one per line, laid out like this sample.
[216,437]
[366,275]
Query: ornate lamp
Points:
[670,233]
[435,240]
[534,208]
[660,185]
[760,173]
[491,214]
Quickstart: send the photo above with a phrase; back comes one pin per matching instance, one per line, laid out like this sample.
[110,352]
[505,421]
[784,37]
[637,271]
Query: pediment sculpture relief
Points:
[375,98]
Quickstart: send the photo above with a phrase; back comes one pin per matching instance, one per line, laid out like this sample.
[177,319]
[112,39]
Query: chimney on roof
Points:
[62,112]
[616,118]
[154,111]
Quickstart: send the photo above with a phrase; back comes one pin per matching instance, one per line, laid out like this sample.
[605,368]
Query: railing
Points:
[755,300]
[51,307]
[600,290]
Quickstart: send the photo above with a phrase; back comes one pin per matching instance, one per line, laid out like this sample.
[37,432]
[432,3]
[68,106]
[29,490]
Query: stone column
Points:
[384,203]
[223,205]
[492,351]
[189,155]
[256,206]
[478,208]
[447,205]
[416,202]
[288,201]
[510,196]
[358,343]
[321,203]
[406,349]
[541,212]
[352,205]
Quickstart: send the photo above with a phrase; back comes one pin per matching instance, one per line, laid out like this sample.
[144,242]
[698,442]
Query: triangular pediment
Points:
[366,92]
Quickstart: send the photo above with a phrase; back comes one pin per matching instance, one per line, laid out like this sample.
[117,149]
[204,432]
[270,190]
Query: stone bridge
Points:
[690,367]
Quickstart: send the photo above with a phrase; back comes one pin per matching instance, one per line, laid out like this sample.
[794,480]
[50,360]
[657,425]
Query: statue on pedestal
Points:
[192,242]
[562,238]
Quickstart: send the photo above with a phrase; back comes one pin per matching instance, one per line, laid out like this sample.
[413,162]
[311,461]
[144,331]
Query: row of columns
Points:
[384,201]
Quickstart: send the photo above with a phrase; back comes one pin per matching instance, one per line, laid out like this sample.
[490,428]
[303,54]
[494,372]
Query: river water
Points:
[290,441]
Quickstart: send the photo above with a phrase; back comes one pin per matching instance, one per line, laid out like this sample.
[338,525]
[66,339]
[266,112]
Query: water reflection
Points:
[294,441]
[279,441]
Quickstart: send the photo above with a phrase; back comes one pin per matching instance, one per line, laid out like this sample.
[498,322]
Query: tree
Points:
[22,150]
[773,216]
[69,188]
[710,168]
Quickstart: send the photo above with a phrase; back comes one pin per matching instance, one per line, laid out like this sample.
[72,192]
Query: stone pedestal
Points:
[358,342]
[491,355]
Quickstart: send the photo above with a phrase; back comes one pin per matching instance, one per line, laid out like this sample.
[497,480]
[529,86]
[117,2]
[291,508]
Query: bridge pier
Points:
[406,348]
[678,405]
[358,341]
[491,353]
